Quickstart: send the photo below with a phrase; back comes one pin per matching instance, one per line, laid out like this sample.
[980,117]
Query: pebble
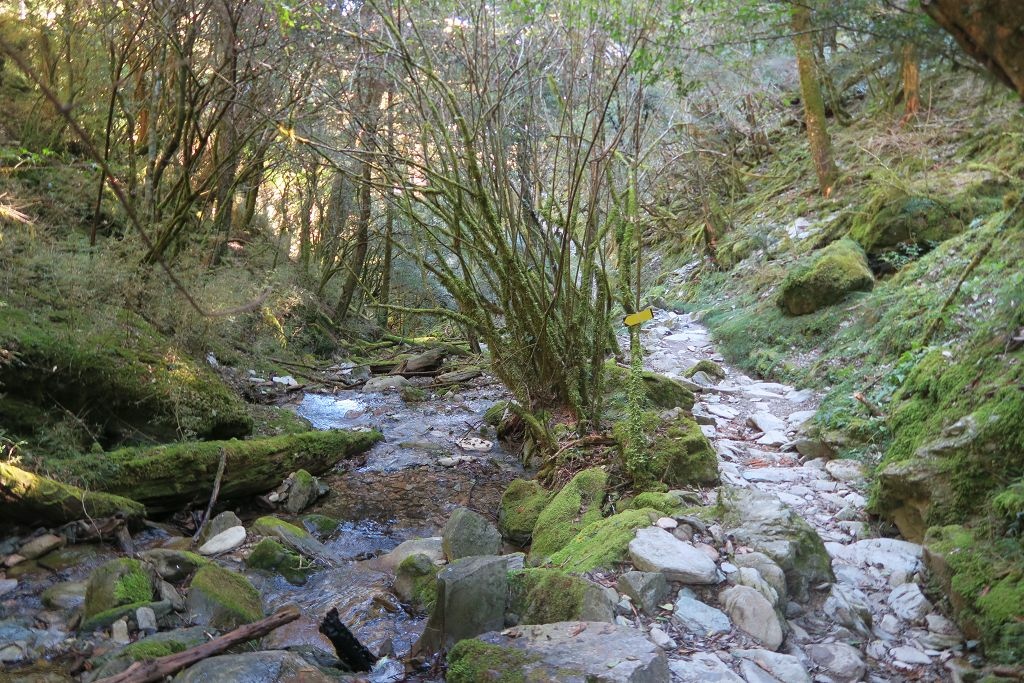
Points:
[667,523]
[910,655]
[7,585]
[119,632]
[662,639]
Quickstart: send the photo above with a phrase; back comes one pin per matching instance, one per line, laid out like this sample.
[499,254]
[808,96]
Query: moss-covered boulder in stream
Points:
[119,375]
[545,596]
[167,477]
[295,538]
[115,586]
[416,582]
[222,599]
[984,579]
[574,507]
[674,452]
[825,278]
[521,505]
[271,556]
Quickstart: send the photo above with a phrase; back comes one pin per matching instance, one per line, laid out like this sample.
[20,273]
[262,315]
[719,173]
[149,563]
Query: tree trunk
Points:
[911,82]
[989,31]
[362,244]
[814,106]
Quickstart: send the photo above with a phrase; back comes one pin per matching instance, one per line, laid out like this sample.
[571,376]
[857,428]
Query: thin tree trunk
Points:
[814,106]
[911,82]
[362,243]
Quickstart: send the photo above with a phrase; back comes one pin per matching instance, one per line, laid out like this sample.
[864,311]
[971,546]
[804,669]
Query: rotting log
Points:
[29,497]
[158,669]
[176,476]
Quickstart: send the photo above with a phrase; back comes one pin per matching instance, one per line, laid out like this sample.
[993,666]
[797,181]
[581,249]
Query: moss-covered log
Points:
[30,497]
[174,476]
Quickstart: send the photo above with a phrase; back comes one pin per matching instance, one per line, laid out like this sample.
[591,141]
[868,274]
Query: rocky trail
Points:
[786,581]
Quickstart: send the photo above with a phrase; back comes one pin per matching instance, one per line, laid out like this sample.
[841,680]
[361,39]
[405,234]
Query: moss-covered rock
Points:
[709,368]
[603,543]
[825,278]
[416,582]
[222,599]
[984,579]
[271,556]
[675,453]
[573,508]
[659,391]
[496,413]
[121,376]
[160,477]
[472,661]
[895,217]
[666,503]
[322,525]
[521,505]
[173,565]
[117,583]
[150,647]
[293,537]
[35,498]
[546,596]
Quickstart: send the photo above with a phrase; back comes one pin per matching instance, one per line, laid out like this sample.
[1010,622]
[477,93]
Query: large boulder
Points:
[521,505]
[573,508]
[543,596]
[222,599]
[603,543]
[676,452]
[895,218]
[468,533]
[763,522]
[564,652]
[656,550]
[271,556]
[753,613]
[416,582]
[826,278]
[117,586]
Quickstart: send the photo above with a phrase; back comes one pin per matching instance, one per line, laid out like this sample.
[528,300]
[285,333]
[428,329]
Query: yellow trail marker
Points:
[638,317]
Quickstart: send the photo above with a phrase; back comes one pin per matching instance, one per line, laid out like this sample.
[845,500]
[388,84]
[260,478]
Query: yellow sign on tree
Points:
[638,317]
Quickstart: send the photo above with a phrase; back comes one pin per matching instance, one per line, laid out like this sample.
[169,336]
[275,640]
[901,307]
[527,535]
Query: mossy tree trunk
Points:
[33,498]
[814,105]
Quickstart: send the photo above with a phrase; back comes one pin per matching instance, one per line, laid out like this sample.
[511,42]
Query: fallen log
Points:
[33,498]
[150,670]
[175,476]
[348,648]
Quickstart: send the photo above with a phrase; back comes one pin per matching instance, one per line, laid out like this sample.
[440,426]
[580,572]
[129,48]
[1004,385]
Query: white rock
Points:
[848,607]
[286,380]
[909,603]
[752,612]
[700,619]
[910,655]
[472,443]
[145,617]
[889,554]
[766,422]
[799,417]
[662,639]
[667,523]
[773,438]
[656,550]
[702,667]
[783,667]
[843,662]
[940,624]
[721,411]
[749,576]
[119,632]
[774,475]
[229,539]
[848,471]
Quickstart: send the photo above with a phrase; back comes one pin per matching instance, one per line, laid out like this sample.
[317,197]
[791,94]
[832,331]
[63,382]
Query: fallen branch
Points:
[213,496]
[866,402]
[151,670]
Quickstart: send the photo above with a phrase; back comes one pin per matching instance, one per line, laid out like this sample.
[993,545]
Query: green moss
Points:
[116,583]
[676,454]
[105,618]
[269,555]
[603,543]
[229,598]
[891,217]
[521,505]
[658,391]
[825,278]
[271,526]
[665,503]
[984,578]
[321,524]
[573,508]
[546,596]
[275,420]
[44,498]
[152,649]
[494,415]
[709,368]
[412,394]
[133,587]
[418,573]
[473,661]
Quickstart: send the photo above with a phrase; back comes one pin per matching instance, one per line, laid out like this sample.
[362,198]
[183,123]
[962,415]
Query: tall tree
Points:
[814,104]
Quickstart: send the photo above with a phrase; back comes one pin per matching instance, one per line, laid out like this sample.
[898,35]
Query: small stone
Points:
[145,617]
[13,560]
[728,567]
[7,585]
[119,632]
[843,662]
[623,621]
[40,545]
[877,650]
[667,523]
[662,639]
[645,589]
[773,438]
[753,613]
[783,667]
[941,625]
[766,422]
[910,655]
[909,603]
[224,541]
[702,667]
[700,619]
[849,607]
[848,471]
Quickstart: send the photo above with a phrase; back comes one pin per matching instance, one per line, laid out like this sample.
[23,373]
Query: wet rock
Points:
[700,619]
[271,556]
[468,534]
[702,667]
[303,490]
[656,550]
[295,538]
[647,590]
[272,666]
[321,525]
[221,522]
[69,595]
[909,603]
[157,645]
[471,598]
[386,383]
[849,607]
[844,663]
[229,539]
[40,545]
[763,522]
[431,547]
[783,667]
[222,599]
[752,612]
[173,565]
[568,652]
[416,582]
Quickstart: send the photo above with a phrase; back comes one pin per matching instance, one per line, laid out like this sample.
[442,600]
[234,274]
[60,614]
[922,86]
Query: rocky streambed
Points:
[775,575]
